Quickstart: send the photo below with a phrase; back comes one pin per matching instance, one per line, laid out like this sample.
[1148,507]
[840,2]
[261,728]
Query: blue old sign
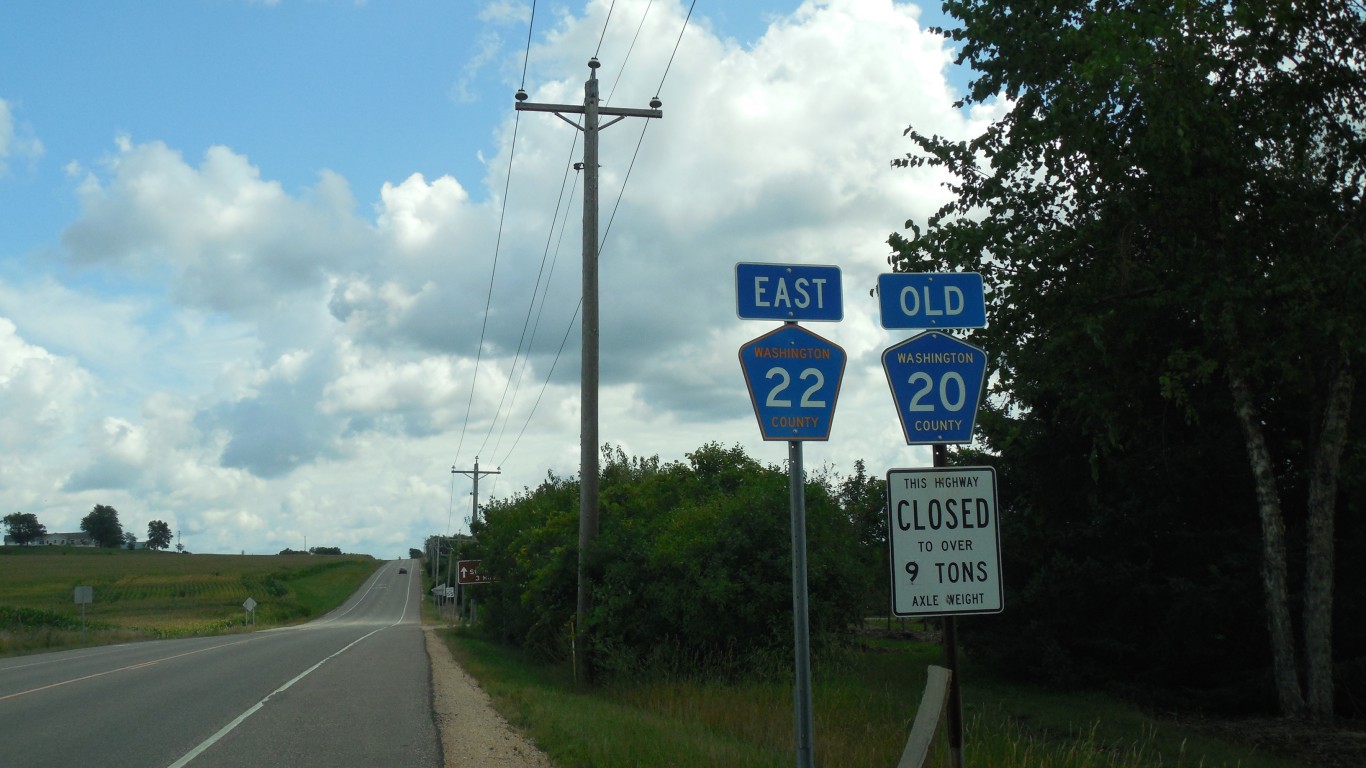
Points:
[794,379]
[932,300]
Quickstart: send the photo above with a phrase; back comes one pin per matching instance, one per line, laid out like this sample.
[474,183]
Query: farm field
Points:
[144,594]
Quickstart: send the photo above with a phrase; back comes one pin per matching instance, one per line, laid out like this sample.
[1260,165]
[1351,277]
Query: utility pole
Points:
[588,425]
[474,514]
[475,473]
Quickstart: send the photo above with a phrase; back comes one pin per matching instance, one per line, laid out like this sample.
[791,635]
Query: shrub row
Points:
[692,565]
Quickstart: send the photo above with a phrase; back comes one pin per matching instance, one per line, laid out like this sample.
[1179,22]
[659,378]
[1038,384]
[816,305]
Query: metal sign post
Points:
[804,726]
[793,377]
[83,597]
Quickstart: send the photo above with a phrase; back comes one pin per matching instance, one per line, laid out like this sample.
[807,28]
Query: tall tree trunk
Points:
[1319,565]
[1274,582]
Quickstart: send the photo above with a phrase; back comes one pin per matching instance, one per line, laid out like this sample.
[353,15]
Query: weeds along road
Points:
[349,689]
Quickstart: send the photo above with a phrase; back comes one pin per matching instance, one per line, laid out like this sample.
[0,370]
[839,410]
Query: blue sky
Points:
[248,246]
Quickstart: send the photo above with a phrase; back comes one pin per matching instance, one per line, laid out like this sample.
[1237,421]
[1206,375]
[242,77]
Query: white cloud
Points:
[414,212]
[229,240]
[505,12]
[41,392]
[255,363]
[16,141]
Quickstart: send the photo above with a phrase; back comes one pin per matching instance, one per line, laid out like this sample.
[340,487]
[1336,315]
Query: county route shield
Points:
[936,383]
[794,379]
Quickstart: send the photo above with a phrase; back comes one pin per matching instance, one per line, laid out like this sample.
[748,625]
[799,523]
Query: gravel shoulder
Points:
[472,732]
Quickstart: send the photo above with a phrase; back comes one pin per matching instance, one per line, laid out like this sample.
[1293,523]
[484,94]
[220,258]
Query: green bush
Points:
[28,618]
[692,564]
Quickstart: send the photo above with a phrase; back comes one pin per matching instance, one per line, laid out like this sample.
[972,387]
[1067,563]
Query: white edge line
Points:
[225,730]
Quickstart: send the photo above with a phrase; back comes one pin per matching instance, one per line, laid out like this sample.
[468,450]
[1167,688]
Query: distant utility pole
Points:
[475,473]
[588,430]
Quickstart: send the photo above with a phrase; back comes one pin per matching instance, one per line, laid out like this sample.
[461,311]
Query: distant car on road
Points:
[402,570]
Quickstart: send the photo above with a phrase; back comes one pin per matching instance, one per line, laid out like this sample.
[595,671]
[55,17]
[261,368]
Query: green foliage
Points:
[864,501]
[103,526]
[692,564]
[1172,196]
[529,542]
[24,527]
[19,619]
[158,535]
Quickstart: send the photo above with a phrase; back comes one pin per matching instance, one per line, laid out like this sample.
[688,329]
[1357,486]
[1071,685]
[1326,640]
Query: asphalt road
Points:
[352,688]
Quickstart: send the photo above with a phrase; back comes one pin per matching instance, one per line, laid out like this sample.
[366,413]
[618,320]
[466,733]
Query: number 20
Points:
[928,381]
[784,380]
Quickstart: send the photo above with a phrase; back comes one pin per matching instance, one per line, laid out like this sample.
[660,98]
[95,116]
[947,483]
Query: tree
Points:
[1192,170]
[24,527]
[158,535]
[415,553]
[103,526]
[864,500]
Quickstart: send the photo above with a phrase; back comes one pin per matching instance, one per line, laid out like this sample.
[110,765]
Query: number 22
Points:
[784,380]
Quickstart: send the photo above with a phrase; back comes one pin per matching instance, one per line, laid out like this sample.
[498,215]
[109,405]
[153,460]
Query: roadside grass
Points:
[141,594]
[864,704]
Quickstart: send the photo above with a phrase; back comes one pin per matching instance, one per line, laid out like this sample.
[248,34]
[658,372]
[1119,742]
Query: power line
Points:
[622,72]
[518,354]
[502,215]
[616,205]
[530,26]
[488,300]
[531,305]
[660,89]
[535,326]
[605,22]
[546,383]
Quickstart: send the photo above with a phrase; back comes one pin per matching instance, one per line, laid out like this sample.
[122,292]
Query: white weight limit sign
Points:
[944,540]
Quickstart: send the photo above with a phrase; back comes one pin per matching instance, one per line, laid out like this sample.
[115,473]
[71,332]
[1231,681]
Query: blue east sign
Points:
[932,300]
[788,292]
[936,383]
[793,377]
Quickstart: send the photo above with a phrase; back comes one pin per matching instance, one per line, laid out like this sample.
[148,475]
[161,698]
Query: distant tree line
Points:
[102,524]
[312,551]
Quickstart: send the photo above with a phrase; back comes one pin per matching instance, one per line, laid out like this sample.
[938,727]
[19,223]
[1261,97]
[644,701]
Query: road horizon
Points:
[350,688]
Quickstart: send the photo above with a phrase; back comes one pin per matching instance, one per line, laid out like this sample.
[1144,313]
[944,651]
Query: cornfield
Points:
[161,594]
